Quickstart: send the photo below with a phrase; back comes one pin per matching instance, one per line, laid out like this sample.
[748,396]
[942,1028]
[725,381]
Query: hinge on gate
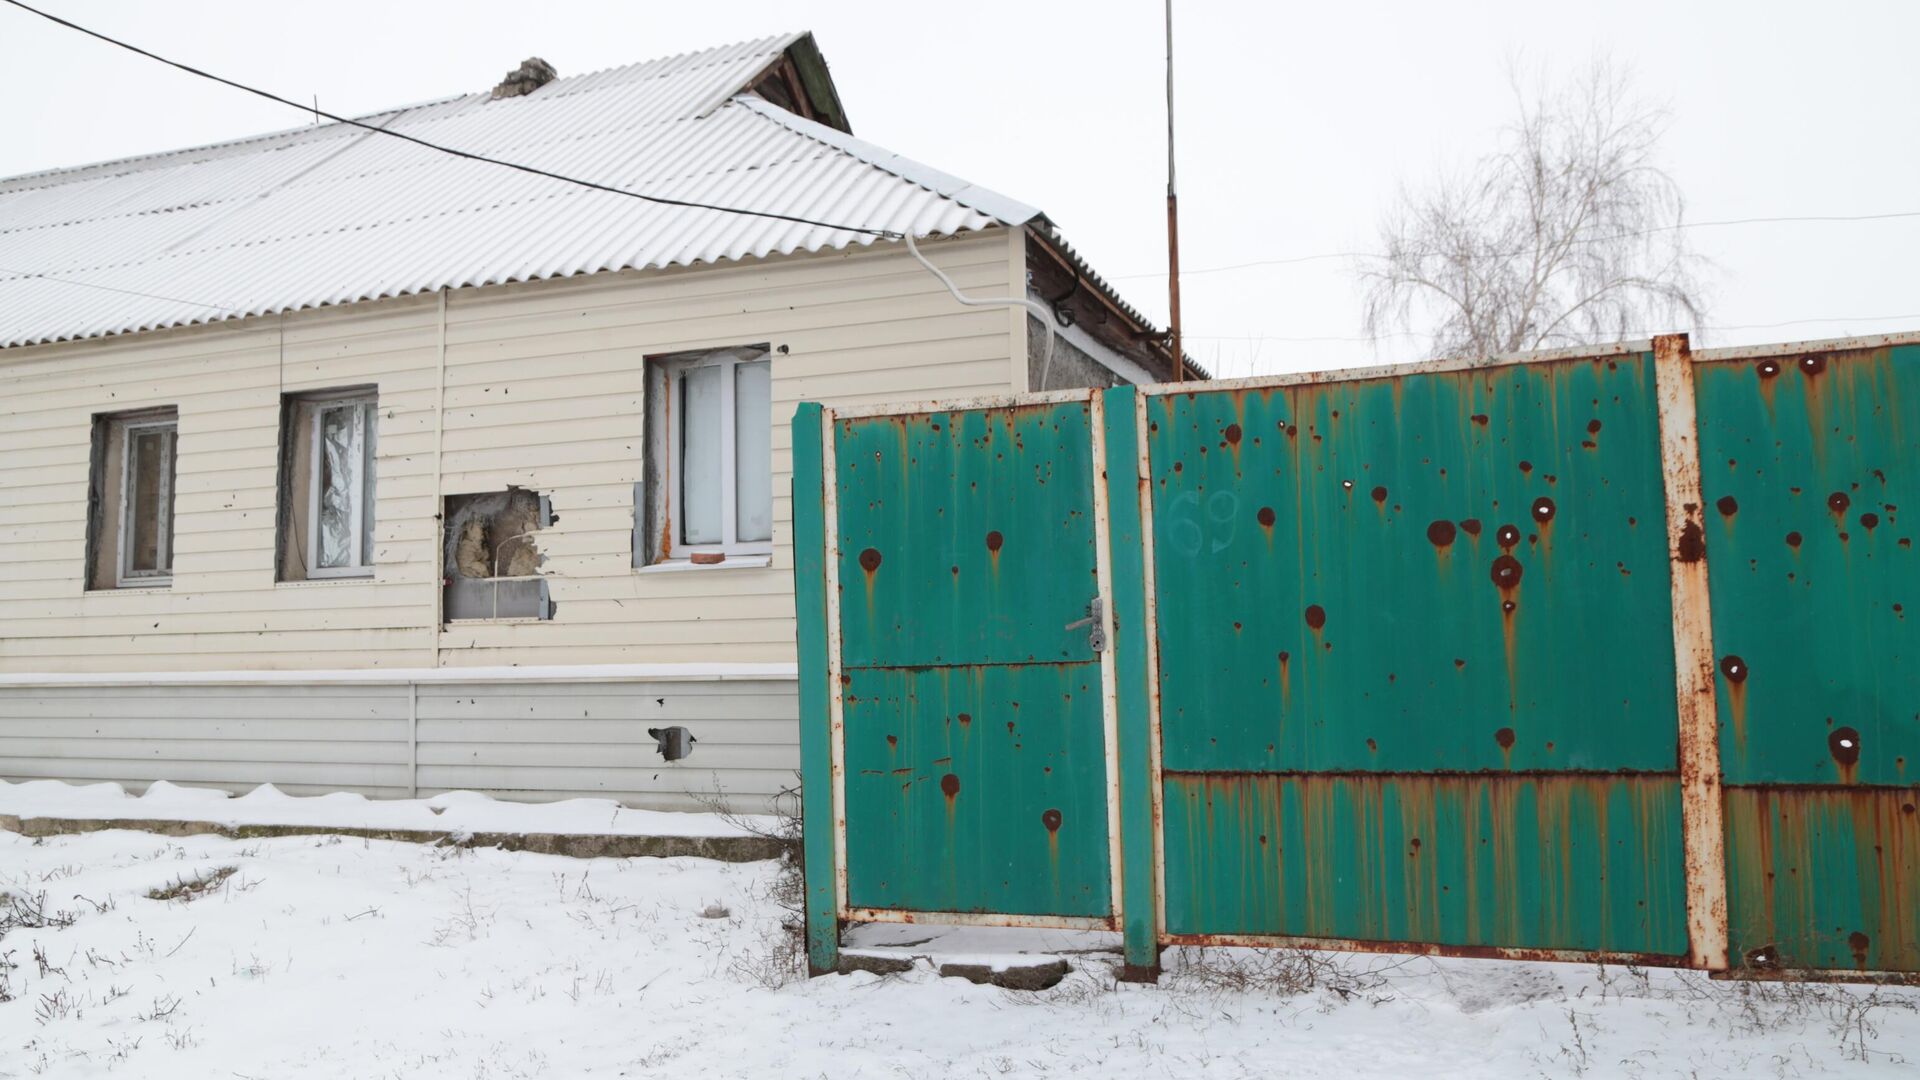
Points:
[1095,623]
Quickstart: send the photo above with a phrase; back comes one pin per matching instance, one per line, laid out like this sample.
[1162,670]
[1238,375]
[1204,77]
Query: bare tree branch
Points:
[1567,235]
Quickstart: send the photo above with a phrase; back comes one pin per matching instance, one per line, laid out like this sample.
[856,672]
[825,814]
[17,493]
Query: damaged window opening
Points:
[328,443]
[491,556]
[708,492]
[131,499]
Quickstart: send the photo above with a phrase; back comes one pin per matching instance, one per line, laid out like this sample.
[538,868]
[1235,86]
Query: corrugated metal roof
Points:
[332,214]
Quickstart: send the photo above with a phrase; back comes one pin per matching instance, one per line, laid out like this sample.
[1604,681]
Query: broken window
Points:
[709,487]
[327,448]
[130,500]
[491,556]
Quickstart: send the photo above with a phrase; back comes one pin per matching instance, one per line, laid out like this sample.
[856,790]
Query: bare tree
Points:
[1568,235]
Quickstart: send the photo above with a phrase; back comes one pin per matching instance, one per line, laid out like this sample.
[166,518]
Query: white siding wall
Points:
[514,740]
[543,389]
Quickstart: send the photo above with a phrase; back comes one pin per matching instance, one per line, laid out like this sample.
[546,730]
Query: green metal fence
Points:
[1425,658]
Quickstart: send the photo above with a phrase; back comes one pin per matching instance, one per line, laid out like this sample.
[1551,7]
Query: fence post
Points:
[1702,809]
[816,752]
[1133,687]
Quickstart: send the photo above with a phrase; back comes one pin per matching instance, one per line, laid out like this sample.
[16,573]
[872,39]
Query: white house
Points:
[335,461]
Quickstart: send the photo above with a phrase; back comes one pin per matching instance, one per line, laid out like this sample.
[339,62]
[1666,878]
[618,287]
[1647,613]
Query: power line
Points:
[1628,334]
[885,234]
[1678,226]
[30,275]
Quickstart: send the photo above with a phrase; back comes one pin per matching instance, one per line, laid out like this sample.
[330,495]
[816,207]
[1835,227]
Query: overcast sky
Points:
[1298,122]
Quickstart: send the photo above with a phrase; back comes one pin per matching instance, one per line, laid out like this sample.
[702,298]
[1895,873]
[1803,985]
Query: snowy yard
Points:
[131,954]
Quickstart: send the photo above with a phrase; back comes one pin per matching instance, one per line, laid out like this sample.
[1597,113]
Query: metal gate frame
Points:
[1130,665]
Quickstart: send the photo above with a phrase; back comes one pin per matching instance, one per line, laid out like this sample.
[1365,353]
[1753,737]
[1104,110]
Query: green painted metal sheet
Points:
[977,789]
[1433,572]
[1538,862]
[966,537]
[816,751]
[1810,466]
[1133,682]
[1824,877]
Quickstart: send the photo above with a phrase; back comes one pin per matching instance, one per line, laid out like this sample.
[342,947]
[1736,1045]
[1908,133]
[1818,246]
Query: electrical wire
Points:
[1044,314]
[885,234]
[1676,227]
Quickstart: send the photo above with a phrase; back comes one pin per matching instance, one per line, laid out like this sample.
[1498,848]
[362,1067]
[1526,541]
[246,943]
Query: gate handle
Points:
[1096,633]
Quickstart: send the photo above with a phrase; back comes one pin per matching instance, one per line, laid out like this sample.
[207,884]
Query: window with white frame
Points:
[710,457]
[327,487]
[130,535]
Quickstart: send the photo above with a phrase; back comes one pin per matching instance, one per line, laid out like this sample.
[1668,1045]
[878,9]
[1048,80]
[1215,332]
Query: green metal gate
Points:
[1423,658]
[970,758]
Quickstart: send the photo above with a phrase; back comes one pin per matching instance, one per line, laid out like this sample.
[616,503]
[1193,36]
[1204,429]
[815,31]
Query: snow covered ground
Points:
[130,954]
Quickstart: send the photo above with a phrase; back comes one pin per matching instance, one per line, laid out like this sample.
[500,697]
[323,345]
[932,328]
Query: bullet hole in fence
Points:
[1768,368]
[1728,506]
[994,540]
[1868,520]
[1543,509]
[1844,744]
[950,785]
[1051,819]
[1506,571]
[1441,533]
[1504,737]
[1734,668]
[1379,494]
[1838,502]
[870,560]
[1470,526]
[1266,516]
[1233,434]
[1813,364]
[1507,536]
[1316,616]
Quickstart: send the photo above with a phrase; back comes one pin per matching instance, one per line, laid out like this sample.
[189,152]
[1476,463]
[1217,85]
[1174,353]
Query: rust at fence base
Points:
[1140,973]
[1423,948]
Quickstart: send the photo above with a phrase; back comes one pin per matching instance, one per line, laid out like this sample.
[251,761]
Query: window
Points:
[710,452]
[327,485]
[130,504]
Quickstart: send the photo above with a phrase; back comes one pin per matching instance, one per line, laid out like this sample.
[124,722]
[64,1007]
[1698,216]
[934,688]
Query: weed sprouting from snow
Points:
[188,888]
[467,922]
[779,957]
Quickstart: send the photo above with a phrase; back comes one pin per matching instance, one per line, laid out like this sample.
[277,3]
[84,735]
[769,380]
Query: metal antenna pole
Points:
[1173,222]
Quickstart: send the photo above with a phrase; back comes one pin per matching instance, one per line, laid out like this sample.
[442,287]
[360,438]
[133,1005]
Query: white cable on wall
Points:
[1035,306]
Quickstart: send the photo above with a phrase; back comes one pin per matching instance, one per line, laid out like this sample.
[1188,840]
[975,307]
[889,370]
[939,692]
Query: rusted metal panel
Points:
[966,537]
[977,789]
[1700,794]
[1808,458]
[1453,571]
[1809,463]
[975,734]
[1825,877]
[1587,862]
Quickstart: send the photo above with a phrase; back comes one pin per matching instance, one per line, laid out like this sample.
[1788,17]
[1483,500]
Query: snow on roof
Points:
[332,214]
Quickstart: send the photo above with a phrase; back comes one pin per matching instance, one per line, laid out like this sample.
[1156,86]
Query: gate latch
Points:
[1095,624]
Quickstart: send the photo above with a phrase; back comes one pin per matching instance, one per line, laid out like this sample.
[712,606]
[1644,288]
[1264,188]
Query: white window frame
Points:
[363,494]
[675,372]
[125,576]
